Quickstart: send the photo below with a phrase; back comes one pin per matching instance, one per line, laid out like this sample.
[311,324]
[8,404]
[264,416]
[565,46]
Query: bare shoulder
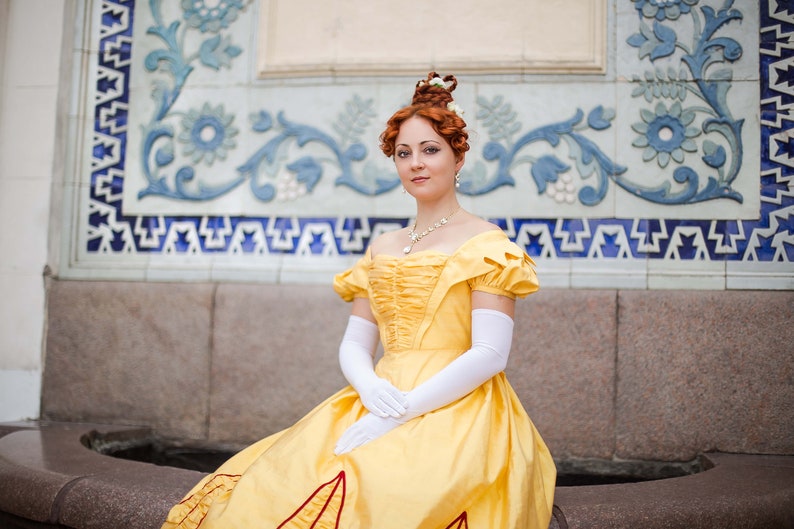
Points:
[467,227]
[475,225]
[389,242]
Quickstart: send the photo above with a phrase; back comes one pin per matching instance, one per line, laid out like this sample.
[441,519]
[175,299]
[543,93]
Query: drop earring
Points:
[457,180]
[404,190]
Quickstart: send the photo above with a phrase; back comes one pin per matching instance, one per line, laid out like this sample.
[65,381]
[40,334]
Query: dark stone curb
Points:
[48,479]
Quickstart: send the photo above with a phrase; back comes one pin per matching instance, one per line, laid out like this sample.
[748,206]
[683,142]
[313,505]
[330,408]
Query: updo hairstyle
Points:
[430,102]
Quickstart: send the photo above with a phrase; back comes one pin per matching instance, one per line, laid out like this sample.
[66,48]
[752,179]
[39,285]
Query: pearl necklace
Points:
[416,237]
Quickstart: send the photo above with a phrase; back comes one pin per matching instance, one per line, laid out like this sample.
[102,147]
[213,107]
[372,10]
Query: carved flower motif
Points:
[666,134]
[208,134]
[211,16]
[661,9]
[563,190]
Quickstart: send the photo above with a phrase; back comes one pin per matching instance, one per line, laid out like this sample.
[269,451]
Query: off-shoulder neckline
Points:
[432,251]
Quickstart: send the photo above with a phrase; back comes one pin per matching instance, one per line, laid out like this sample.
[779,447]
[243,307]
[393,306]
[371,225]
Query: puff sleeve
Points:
[509,272]
[353,282]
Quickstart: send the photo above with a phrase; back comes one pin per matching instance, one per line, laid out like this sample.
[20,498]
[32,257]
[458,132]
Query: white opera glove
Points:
[356,356]
[492,336]
[364,430]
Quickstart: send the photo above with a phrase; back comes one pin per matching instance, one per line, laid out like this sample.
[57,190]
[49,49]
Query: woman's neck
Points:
[428,214]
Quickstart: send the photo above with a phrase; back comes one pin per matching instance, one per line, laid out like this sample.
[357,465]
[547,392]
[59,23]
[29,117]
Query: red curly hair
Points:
[430,102]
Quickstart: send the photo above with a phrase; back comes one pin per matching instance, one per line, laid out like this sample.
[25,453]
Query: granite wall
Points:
[654,375]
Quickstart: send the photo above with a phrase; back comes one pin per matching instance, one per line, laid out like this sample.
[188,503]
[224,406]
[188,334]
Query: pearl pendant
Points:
[407,249]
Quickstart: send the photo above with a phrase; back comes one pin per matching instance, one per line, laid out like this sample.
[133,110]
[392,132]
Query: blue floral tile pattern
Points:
[208,134]
[666,131]
[211,16]
[661,9]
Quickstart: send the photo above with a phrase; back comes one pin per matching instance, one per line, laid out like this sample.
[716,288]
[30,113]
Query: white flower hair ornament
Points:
[439,82]
[435,81]
[453,107]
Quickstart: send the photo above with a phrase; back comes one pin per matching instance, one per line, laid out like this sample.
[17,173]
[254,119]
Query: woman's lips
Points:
[419,179]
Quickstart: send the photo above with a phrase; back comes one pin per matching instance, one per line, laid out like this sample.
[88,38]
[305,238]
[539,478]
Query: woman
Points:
[433,436]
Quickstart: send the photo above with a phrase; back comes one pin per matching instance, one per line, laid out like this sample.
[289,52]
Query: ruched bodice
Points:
[401,289]
[476,463]
[423,299]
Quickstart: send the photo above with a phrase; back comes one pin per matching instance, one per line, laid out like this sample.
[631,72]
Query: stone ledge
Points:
[48,476]
[49,479]
[747,491]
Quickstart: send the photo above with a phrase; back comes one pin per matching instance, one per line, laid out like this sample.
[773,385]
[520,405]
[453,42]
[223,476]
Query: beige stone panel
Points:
[129,353]
[33,35]
[275,356]
[362,36]
[703,370]
[562,367]
[21,320]
[24,204]
[20,392]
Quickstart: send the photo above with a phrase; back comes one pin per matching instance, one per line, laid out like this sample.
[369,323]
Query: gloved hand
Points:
[492,336]
[356,355]
[364,430]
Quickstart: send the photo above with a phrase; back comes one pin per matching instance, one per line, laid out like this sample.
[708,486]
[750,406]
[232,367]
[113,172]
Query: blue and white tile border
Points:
[571,252]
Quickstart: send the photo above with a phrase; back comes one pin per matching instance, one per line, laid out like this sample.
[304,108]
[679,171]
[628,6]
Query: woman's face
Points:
[425,161]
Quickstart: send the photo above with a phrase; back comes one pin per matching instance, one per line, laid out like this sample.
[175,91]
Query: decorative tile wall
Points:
[662,173]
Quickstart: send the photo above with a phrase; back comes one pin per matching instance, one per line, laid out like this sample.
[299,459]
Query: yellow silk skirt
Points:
[476,463]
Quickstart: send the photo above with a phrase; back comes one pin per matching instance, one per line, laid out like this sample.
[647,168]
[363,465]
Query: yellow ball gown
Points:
[477,463]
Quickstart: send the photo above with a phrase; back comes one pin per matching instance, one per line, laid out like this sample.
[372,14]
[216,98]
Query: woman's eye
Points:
[431,150]
[402,154]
